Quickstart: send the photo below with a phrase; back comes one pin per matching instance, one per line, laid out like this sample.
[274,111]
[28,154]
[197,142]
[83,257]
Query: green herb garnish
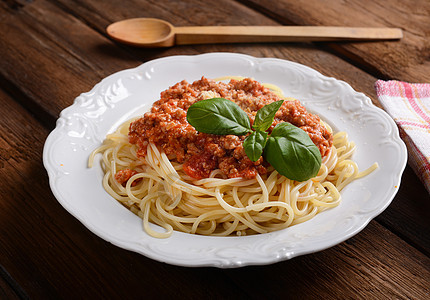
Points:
[254,144]
[288,149]
[218,116]
[292,153]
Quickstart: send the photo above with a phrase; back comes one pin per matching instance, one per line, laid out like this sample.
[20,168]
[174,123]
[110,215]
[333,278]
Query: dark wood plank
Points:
[180,13]
[65,55]
[365,267]
[6,292]
[407,59]
[9,289]
[405,207]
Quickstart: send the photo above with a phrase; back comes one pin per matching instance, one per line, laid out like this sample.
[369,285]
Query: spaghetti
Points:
[158,189]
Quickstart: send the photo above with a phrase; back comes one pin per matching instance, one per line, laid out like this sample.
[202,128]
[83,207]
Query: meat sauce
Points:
[166,126]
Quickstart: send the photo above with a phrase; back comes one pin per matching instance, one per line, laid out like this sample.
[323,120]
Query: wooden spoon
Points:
[148,32]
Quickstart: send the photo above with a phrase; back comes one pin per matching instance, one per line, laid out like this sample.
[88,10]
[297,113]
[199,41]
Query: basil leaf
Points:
[218,116]
[254,144]
[265,115]
[292,153]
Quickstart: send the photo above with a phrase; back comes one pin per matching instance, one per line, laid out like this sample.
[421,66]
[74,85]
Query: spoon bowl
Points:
[150,32]
[140,32]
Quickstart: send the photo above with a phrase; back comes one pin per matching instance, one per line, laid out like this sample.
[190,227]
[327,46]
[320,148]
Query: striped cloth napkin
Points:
[409,105]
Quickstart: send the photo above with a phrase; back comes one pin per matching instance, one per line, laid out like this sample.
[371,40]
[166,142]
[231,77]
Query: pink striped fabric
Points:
[409,105]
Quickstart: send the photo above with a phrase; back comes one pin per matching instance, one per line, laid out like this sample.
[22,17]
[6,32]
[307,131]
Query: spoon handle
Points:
[249,34]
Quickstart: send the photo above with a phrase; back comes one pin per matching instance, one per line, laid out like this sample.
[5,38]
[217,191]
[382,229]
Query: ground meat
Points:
[200,166]
[166,126]
[123,176]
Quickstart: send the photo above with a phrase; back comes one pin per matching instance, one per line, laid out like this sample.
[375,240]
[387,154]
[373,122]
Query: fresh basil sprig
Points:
[292,153]
[265,115]
[288,149]
[254,144]
[218,116]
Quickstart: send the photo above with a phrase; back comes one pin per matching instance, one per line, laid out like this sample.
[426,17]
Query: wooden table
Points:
[51,51]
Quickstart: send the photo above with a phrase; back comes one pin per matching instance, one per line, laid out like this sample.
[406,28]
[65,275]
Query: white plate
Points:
[83,126]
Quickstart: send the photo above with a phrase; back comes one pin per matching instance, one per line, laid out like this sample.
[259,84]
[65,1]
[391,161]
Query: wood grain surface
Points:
[405,60]
[51,51]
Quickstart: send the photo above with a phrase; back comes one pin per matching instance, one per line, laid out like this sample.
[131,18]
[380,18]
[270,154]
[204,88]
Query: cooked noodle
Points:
[161,192]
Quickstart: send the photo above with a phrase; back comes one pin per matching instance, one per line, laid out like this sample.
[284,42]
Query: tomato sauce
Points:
[123,176]
[166,126]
